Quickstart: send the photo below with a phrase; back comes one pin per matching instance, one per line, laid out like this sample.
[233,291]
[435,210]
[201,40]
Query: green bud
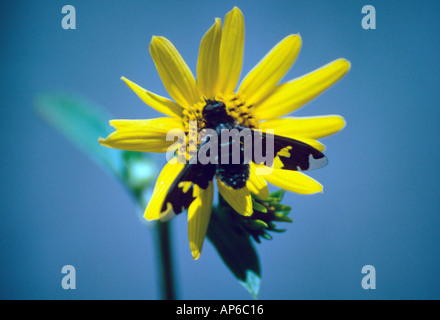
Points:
[267,236]
[258,224]
[266,213]
[258,206]
[281,207]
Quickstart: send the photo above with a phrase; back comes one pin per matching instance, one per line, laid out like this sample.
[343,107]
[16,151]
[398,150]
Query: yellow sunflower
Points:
[258,103]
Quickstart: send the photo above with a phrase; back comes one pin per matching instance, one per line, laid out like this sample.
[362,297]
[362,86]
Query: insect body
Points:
[233,174]
[292,155]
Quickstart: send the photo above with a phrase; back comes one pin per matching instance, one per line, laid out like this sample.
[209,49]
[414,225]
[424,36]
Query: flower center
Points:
[235,106]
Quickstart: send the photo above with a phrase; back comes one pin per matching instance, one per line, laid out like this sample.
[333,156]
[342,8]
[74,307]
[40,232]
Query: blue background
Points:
[380,204]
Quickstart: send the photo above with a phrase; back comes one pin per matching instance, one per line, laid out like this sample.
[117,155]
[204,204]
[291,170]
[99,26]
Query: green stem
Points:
[162,245]
[165,261]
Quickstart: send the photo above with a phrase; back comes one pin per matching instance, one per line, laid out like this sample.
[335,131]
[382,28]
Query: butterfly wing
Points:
[286,153]
[180,193]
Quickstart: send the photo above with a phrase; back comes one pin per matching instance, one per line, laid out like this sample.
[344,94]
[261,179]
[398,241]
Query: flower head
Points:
[258,103]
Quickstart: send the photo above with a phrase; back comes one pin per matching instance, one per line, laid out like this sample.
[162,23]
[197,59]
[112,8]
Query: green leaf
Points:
[235,247]
[82,123]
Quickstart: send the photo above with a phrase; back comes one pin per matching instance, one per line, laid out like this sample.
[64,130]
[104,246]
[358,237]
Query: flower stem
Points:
[165,261]
[163,251]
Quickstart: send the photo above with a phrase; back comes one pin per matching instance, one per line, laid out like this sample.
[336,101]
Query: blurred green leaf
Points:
[235,247]
[82,123]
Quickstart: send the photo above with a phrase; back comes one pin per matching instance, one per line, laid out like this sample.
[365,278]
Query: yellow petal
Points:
[311,142]
[164,123]
[199,214]
[163,183]
[293,181]
[285,132]
[261,80]
[231,51]
[292,95]
[239,199]
[208,61]
[161,104]
[311,127]
[257,184]
[174,72]
[142,135]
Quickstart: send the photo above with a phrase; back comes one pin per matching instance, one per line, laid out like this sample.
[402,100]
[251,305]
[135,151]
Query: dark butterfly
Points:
[281,152]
